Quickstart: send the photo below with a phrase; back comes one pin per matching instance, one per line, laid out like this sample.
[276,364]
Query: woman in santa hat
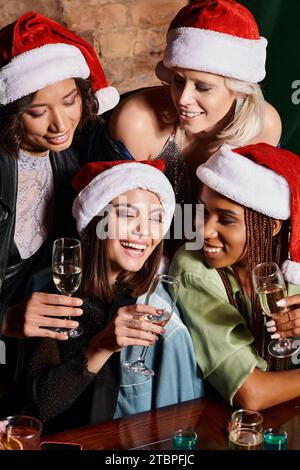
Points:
[250,196]
[78,382]
[212,64]
[51,82]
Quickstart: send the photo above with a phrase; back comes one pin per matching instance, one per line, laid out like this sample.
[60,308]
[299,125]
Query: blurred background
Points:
[278,21]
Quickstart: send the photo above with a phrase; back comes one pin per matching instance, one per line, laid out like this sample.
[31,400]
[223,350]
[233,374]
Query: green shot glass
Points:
[275,439]
[184,439]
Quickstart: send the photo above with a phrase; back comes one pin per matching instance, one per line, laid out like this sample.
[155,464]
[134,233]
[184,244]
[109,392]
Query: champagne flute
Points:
[270,287]
[66,271]
[158,286]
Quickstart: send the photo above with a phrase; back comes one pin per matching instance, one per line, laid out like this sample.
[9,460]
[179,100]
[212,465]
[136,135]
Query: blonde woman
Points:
[212,64]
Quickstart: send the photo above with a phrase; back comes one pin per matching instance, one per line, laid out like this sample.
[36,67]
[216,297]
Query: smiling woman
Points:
[249,194]
[122,211]
[212,64]
[51,119]
[51,82]
[139,230]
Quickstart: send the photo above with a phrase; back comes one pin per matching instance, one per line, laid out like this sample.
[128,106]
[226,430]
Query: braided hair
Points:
[262,246]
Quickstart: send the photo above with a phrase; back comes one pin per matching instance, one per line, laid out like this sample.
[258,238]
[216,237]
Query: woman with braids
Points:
[249,194]
[51,82]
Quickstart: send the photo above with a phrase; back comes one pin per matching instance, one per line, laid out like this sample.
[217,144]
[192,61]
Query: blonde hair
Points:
[248,118]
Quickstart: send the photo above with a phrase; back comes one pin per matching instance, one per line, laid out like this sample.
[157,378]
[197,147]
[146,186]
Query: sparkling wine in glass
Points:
[270,287]
[66,271]
[159,284]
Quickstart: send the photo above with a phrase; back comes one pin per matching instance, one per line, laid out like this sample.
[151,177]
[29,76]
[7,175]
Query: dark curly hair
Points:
[11,128]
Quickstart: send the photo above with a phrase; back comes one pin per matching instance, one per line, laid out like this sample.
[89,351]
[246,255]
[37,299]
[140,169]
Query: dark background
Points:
[279,23]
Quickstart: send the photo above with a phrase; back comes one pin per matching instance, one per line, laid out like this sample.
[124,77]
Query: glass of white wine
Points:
[158,287]
[270,287]
[246,430]
[66,271]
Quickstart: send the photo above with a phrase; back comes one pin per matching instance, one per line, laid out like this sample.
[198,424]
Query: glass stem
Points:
[143,354]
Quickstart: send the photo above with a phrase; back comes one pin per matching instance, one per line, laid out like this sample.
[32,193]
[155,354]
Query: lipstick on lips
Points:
[135,249]
[61,139]
[189,115]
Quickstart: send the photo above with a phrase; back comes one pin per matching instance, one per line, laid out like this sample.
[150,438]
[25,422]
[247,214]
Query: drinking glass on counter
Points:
[184,439]
[275,439]
[246,431]
[21,433]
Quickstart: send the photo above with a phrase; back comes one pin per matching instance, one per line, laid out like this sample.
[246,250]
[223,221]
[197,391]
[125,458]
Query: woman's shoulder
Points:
[272,127]
[138,118]
[139,109]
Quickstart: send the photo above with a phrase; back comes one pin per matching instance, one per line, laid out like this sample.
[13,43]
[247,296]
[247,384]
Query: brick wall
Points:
[128,35]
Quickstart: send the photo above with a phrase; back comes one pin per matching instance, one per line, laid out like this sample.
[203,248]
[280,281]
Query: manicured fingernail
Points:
[281,303]
[79,311]
[160,311]
[162,331]
[79,302]
[271,329]
[75,324]
[275,336]
[270,323]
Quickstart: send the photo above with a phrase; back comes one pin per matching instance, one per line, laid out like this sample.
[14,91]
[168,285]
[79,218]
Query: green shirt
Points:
[223,342]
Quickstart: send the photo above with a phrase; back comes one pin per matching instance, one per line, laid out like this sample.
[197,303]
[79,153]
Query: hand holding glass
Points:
[66,270]
[270,287]
[160,284]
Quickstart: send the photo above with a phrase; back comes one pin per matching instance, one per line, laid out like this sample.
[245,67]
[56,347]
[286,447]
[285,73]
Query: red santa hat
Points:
[35,51]
[216,36]
[266,181]
[100,182]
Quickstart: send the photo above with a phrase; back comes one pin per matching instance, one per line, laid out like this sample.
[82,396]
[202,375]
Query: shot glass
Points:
[21,433]
[275,439]
[184,439]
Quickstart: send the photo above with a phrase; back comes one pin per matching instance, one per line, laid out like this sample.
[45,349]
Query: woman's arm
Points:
[223,343]
[265,389]
[58,376]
